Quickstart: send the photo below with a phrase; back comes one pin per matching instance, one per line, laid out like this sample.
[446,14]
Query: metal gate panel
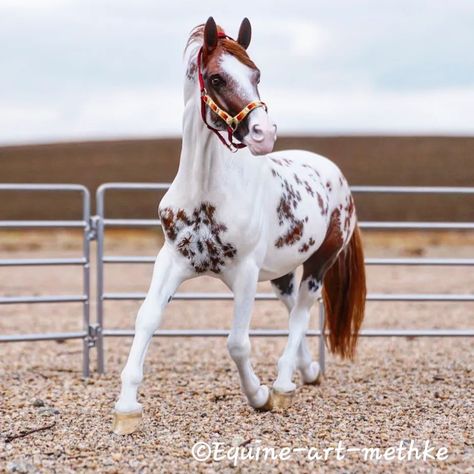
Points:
[82,261]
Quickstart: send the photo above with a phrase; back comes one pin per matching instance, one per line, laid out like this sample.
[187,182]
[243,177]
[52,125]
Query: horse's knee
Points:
[238,349]
[146,327]
[148,317]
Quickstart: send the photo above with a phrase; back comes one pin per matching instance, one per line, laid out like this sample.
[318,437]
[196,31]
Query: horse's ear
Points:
[210,34]
[245,33]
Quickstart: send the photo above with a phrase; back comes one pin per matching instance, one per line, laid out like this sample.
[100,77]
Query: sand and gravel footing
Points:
[397,391]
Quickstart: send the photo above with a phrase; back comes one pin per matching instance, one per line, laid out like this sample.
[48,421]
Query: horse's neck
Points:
[206,166]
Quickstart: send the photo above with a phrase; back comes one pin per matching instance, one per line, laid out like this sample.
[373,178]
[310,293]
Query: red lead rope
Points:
[232,122]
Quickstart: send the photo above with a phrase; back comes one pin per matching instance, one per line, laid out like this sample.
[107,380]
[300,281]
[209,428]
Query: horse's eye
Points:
[217,81]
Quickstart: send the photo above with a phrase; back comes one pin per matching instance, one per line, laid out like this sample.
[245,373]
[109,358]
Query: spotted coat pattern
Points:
[290,199]
[198,237]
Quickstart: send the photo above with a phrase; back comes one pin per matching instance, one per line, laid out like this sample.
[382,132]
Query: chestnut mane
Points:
[228,45]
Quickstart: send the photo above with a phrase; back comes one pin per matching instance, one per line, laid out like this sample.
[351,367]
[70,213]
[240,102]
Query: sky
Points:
[84,69]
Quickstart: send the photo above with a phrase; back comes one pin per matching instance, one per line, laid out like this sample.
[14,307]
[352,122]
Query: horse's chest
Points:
[199,237]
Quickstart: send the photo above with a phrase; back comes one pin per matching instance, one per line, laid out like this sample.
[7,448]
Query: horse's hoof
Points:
[268,406]
[126,422]
[281,400]
[316,377]
[311,376]
[316,381]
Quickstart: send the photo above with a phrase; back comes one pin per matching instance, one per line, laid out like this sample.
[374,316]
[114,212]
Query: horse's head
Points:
[229,87]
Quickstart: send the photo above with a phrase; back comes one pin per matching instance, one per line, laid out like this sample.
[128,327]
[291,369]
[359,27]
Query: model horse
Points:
[249,217]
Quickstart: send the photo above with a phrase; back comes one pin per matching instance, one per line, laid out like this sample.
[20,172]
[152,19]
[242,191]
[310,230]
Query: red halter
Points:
[232,122]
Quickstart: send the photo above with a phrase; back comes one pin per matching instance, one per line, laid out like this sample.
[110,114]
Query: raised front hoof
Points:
[281,400]
[127,422]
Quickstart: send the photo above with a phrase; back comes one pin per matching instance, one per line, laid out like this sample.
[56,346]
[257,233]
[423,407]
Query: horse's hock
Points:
[93,227]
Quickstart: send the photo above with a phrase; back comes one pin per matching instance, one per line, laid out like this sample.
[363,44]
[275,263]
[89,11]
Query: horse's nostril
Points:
[257,133]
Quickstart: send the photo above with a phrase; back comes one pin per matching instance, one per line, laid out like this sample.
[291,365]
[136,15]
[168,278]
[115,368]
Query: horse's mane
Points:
[230,46]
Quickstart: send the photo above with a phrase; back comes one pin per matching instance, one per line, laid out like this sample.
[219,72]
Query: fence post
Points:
[322,346]
[86,213]
[100,280]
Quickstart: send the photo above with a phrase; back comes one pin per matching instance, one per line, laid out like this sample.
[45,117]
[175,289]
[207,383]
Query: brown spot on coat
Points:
[191,71]
[322,207]
[168,223]
[314,170]
[282,161]
[307,245]
[308,188]
[304,248]
[349,213]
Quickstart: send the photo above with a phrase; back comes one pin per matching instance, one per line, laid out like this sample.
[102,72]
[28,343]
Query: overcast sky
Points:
[90,69]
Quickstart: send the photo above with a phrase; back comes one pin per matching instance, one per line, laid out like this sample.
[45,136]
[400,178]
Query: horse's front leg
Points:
[167,276]
[243,283]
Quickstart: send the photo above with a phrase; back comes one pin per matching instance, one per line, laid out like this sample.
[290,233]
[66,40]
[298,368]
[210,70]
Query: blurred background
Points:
[91,91]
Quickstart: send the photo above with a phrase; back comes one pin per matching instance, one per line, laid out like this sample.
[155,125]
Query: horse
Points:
[240,213]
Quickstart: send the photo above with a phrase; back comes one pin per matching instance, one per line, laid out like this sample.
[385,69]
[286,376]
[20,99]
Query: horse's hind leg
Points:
[167,276]
[286,290]
[314,270]
[309,369]
[283,388]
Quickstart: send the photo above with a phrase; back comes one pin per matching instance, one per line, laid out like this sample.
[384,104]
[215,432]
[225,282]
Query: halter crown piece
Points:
[232,121]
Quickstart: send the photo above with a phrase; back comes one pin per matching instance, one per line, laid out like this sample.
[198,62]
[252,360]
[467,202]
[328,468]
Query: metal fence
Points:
[82,261]
[103,222]
[94,228]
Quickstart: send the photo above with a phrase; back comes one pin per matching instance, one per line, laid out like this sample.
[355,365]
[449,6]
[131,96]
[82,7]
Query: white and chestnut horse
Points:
[250,217]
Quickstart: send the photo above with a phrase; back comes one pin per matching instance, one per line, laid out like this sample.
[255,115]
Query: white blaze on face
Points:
[262,131]
[241,77]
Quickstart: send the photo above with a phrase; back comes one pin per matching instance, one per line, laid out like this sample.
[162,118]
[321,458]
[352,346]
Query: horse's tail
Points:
[344,293]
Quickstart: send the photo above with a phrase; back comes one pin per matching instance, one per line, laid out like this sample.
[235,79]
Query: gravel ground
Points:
[397,390]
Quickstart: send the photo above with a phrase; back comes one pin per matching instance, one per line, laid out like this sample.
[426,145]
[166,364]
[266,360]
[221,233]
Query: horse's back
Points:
[324,165]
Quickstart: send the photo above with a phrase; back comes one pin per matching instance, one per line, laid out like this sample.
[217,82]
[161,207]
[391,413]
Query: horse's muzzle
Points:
[262,135]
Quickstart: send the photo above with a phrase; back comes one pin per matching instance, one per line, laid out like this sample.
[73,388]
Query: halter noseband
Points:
[232,122]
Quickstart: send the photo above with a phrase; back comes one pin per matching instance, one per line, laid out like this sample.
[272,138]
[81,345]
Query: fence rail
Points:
[94,228]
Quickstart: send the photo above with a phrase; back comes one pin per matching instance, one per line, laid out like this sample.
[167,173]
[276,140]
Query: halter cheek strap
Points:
[232,121]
